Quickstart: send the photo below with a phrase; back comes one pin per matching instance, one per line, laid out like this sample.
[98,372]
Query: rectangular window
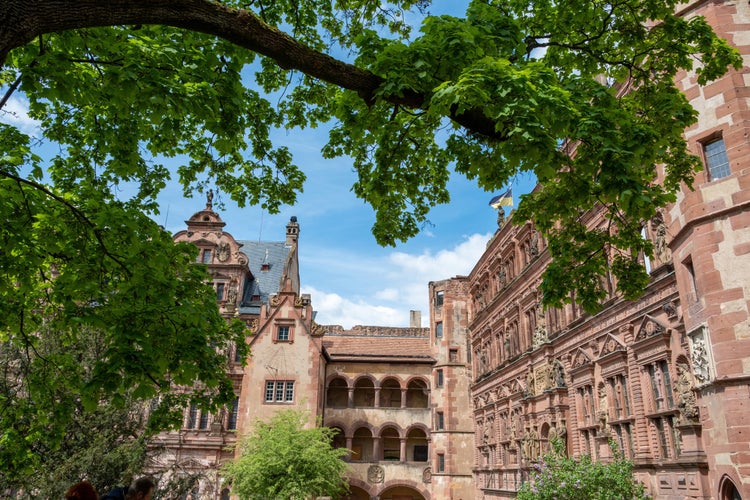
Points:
[441,462]
[203,424]
[717,162]
[439,296]
[279,391]
[439,382]
[420,453]
[206,256]
[439,330]
[232,423]
[439,421]
[453,355]
[192,416]
[219,291]
[282,334]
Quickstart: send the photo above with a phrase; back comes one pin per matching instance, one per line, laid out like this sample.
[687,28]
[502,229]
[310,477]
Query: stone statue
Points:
[557,374]
[603,407]
[209,199]
[232,295]
[534,244]
[686,400]
[661,250]
[500,217]
[530,383]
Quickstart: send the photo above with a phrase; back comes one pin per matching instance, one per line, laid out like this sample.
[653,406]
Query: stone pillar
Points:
[402,453]
[377,397]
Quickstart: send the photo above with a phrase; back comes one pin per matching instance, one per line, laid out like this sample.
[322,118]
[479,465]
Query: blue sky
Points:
[352,280]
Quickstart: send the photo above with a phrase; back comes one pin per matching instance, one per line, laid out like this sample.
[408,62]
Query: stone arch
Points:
[406,484]
[417,445]
[364,392]
[728,490]
[365,490]
[544,437]
[390,443]
[417,393]
[390,393]
[337,393]
[339,439]
[362,445]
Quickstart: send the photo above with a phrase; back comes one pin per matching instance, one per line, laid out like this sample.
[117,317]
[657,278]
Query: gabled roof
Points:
[265,281]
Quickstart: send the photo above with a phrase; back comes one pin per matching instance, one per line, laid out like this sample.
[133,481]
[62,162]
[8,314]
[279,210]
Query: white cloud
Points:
[333,309]
[362,300]
[16,113]
[387,294]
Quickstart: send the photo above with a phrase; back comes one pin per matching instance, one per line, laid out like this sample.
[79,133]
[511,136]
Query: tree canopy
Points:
[118,84]
[281,459]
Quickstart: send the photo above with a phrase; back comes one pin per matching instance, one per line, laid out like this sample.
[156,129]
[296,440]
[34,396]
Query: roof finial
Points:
[209,199]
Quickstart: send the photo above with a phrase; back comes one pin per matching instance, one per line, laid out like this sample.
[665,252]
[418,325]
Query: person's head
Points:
[81,491]
[141,489]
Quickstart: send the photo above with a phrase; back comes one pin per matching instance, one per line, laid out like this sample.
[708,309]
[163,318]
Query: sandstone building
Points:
[461,409]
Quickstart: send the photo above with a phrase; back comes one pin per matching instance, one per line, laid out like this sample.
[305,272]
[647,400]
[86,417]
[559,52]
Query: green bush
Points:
[558,477]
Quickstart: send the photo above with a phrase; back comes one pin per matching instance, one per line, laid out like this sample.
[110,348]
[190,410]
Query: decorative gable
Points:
[649,327]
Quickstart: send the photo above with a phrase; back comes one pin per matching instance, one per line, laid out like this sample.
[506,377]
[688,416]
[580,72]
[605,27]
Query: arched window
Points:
[338,393]
[364,393]
[417,394]
[362,445]
[390,394]
[416,446]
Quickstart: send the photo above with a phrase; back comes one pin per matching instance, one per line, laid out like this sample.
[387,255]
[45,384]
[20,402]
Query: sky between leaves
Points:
[352,280]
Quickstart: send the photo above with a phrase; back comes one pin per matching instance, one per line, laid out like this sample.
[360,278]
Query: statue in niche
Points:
[483,361]
[502,277]
[603,408]
[534,244]
[530,383]
[557,374]
[486,432]
[661,250]
[223,252]
[526,446]
[535,444]
[232,295]
[686,400]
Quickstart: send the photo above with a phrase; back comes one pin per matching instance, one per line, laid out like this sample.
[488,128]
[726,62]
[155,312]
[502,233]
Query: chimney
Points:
[415,319]
[292,231]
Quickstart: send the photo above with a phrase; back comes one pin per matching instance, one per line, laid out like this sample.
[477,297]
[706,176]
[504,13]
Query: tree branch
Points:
[23,20]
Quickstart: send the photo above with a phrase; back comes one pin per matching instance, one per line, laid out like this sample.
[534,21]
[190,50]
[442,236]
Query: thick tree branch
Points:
[23,20]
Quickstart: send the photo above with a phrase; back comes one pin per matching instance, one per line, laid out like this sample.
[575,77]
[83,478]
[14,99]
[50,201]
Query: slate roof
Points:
[394,349]
[264,283]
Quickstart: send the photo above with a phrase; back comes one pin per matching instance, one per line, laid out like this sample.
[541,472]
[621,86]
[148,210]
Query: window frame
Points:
[288,328]
[718,170]
[439,378]
[278,392]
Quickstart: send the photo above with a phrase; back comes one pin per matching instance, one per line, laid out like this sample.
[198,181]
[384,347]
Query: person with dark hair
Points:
[141,489]
[81,491]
